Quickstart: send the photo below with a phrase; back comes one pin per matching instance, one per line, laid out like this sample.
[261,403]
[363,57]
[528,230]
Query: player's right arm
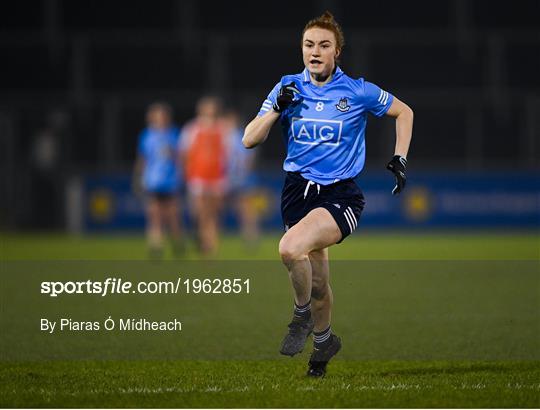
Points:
[279,99]
[257,130]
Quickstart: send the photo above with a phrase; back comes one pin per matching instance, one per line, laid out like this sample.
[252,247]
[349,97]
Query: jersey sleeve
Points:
[377,101]
[270,100]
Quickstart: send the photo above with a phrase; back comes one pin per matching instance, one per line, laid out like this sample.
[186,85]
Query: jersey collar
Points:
[307,79]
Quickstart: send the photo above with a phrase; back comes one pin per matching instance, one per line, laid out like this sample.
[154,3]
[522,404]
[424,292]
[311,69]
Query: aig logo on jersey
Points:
[314,131]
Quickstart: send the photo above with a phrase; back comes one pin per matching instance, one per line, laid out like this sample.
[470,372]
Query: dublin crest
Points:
[343,105]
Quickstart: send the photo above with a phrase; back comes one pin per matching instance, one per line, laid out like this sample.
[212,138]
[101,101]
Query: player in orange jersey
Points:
[204,150]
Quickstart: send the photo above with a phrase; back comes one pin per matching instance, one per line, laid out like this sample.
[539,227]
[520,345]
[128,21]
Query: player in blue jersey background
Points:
[323,114]
[157,175]
[242,183]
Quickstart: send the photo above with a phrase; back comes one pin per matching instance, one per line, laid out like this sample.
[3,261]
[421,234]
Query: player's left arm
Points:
[380,102]
[404,124]
[138,168]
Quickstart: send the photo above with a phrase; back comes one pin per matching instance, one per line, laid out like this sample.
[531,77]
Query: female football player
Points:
[157,173]
[203,151]
[323,115]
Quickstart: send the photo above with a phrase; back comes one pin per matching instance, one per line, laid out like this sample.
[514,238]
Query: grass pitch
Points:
[278,383]
[477,322]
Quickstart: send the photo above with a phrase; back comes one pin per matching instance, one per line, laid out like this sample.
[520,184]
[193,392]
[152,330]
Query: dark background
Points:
[77,76]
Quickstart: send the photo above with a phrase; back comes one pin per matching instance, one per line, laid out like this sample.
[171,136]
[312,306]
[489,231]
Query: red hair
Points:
[327,22]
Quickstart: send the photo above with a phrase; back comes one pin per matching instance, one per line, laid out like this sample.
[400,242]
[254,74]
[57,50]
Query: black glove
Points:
[397,166]
[285,97]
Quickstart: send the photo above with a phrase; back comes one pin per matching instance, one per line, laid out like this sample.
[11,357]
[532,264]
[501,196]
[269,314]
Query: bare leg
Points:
[198,211]
[321,293]
[248,219]
[171,209]
[214,202]
[171,212]
[154,233]
[316,231]
[207,206]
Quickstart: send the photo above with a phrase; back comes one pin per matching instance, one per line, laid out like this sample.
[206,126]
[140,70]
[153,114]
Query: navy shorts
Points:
[343,199]
[161,196]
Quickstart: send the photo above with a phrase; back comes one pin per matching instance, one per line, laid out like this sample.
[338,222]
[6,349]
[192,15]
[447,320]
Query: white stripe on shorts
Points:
[347,217]
[353,217]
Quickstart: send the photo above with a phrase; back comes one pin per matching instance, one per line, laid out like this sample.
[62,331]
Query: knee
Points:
[291,250]
[319,288]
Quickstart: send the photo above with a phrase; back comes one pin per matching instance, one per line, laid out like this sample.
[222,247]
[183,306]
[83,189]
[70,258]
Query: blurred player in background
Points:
[203,150]
[323,115]
[241,181]
[157,175]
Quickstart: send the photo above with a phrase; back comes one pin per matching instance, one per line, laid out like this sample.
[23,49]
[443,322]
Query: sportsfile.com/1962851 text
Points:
[119,286]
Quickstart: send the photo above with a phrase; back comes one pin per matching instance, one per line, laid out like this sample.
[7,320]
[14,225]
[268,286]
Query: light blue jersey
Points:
[240,162]
[159,148]
[325,127]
